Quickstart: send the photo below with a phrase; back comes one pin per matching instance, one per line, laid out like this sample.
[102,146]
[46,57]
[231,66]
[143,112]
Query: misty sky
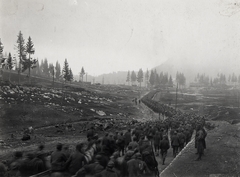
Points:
[120,35]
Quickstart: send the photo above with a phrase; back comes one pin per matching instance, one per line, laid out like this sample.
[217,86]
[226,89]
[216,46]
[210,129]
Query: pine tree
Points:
[1,47]
[157,80]
[45,68]
[140,76]
[152,78]
[70,75]
[133,77]
[177,77]
[29,63]
[234,79]
[1,53]
[10,64]
[41,68]
[51,70]
[161,78]
[128,77]
[182,79]
[65,70]
[165,78]
[224,78]
[147,77]
[58,70]
[170,81]
[229,78]
[21,52]
[36,71]
[155,77]
[82,73]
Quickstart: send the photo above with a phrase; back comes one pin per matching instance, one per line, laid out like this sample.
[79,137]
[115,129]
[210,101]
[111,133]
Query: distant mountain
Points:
[191,68]
[110,78]
[172,66]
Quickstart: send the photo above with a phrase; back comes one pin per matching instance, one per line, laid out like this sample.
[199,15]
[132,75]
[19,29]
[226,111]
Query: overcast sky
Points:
[119,35]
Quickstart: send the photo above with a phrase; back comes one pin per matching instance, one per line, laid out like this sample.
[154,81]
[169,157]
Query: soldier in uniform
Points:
[200,142]
[76,160]
[175,143]
[92,169]
[58,159]
[137,167]
[164,146]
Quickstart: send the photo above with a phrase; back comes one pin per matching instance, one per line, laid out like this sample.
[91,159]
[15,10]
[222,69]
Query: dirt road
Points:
[221,158]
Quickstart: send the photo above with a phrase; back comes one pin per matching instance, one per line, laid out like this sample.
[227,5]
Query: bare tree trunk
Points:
[9,78]
[29,67]
[29,75]
[19,69]
[53,77]
[18,76]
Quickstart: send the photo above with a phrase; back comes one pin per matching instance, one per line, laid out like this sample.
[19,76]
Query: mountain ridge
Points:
[189,67]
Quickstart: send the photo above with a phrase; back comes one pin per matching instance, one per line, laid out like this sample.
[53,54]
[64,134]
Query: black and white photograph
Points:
[119,88]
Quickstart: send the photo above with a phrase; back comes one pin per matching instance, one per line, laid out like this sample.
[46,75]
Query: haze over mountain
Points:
[118,77]
[189,67]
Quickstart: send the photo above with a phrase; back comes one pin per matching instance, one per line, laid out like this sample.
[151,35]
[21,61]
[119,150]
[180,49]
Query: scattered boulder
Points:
[101,113]
[26,137]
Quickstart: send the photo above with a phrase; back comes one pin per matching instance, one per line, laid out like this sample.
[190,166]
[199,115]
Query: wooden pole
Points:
[237,98]
[53,76]
[176,97]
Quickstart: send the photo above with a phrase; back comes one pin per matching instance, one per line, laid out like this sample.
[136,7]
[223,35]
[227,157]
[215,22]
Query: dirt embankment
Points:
[107,108]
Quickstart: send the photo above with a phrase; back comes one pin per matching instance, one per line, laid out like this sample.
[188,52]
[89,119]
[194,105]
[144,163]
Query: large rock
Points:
[26,137]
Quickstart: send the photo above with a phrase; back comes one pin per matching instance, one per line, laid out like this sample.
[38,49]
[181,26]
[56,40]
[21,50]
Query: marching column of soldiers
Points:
[130,153]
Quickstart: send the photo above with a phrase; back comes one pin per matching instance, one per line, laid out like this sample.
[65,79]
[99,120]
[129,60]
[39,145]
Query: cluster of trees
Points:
[133,77]
[219,79]
[45,69]
[181,79]
[156,79]
[202,79]
[7,61]
[25,51]
[24,62]
[48,70]
[67,72]
[82,73]
[152,78]
[234,78]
